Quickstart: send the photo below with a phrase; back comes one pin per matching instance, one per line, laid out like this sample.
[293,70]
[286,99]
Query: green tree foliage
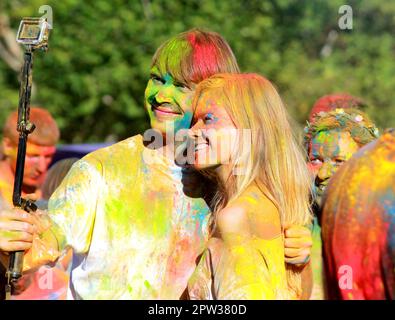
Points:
[94,75]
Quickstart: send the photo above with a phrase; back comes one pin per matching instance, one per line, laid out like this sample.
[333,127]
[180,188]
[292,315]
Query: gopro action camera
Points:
[33,32]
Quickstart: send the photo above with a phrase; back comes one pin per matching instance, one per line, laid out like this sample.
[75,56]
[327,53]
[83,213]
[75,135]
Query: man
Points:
[39,153]
[358,224]
[330,140]
[135,220]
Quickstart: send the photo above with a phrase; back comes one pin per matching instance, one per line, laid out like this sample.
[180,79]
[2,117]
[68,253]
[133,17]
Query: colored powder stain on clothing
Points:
[254,269]
[199,217]
[356,223]
[129,224]
[147,284]
[45,284]
[242,264]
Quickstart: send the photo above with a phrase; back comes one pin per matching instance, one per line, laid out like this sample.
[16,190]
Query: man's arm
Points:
[46,245]
[30,232]
[68,223]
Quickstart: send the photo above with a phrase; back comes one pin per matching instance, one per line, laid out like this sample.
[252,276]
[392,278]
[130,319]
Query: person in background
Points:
[330,140]
[358,224]
[41,147]
[39,153]
[49,283]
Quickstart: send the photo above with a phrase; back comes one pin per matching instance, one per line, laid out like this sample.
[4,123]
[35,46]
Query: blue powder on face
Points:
[184,122]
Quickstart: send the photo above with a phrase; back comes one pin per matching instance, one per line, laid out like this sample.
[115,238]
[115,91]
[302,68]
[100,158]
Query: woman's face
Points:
[213,133]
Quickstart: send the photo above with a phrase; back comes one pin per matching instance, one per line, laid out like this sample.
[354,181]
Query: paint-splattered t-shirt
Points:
[358,224]
[134,233]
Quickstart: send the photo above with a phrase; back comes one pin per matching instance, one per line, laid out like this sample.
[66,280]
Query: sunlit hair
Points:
[362,130]
[46,132]
[274,161]
[195,55]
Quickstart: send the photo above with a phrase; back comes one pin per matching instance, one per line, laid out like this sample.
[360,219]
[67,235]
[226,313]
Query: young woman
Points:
[243,140]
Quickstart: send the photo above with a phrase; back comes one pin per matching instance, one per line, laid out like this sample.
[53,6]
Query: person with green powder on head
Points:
[135,219]
[331,138]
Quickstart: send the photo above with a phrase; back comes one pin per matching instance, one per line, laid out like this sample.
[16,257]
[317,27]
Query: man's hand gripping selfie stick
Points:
[33,33]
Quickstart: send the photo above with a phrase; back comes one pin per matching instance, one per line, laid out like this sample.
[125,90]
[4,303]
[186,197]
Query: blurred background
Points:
[93,77]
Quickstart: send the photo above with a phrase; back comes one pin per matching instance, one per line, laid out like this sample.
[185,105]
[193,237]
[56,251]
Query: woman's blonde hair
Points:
[274,161]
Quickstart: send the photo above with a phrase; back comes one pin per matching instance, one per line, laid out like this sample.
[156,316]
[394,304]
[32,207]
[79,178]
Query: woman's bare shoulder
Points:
[233,219]
[253,214]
